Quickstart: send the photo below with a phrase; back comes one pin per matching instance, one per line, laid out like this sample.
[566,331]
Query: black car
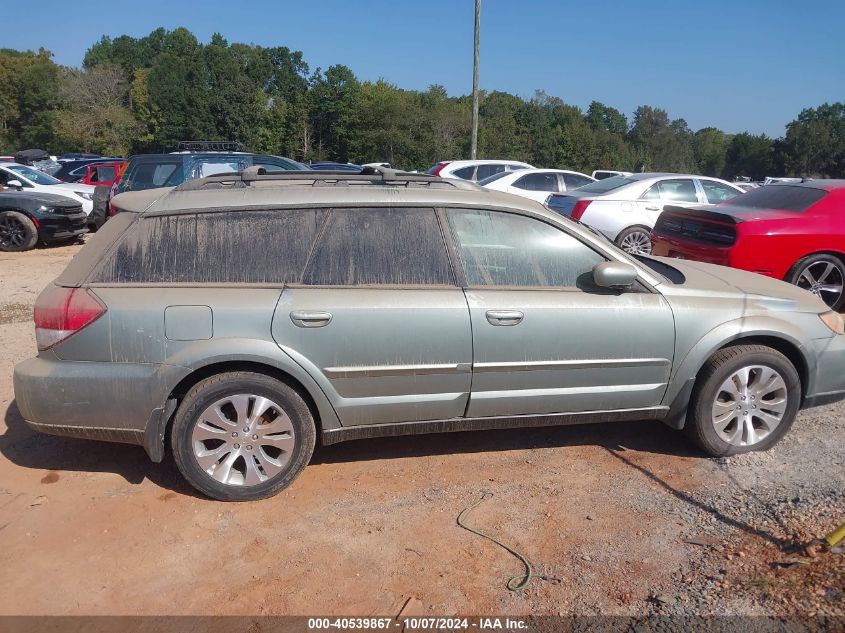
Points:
[148,171]
[29,218]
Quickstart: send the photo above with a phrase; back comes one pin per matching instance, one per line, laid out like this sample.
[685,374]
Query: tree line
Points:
[139,95]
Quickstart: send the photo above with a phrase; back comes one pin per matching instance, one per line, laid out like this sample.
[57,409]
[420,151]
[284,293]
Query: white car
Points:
[474,169]
[536,184]
[29,179]
[625,208]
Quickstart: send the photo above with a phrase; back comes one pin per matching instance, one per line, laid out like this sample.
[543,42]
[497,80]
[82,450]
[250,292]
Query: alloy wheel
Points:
[824,279]
[243,440]
[636,243]
[749,405]
[12,232]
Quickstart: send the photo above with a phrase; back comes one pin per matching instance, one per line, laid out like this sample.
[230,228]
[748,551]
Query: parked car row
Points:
[26,217]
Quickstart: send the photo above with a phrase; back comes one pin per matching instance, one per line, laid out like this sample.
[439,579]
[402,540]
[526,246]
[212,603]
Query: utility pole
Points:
[474,144]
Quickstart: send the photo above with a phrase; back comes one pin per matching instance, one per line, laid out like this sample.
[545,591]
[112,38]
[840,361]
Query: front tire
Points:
[242,436]
[17,232]
[745,399]
[823,275]
[635,240]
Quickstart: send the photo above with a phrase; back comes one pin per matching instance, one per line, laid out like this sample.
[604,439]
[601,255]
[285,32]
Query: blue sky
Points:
[751,65]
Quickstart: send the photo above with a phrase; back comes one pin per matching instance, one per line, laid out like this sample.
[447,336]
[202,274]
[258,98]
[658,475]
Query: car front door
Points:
[378,320]
[545,338]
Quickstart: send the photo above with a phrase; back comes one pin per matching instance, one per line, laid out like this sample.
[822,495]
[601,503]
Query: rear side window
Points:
[148,175]
[205,167]
[781,197]
[102,174]
[465,172]
[487,170]
[503,249]
[717,192]
[229,247]
[676,189]
[537,182]
[380,246]
[573,181]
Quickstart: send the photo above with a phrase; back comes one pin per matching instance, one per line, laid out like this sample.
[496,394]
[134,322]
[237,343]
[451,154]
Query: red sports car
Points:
[794,232]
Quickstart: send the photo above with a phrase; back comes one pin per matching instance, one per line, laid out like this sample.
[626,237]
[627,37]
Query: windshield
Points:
[493,178]
[780,197]
[33,175]
[608,184]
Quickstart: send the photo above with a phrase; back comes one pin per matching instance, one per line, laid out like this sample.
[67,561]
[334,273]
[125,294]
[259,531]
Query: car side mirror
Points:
[17,184]
[616,275]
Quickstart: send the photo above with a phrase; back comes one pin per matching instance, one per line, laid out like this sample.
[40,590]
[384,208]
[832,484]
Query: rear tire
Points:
[242,436]
[17,232]
[823,275]
[745,399]
[635,240]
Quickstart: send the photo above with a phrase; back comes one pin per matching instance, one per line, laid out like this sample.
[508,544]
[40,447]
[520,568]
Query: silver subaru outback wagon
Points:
[244,316]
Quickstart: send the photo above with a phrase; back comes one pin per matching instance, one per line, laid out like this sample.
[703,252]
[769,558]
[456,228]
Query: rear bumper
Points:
[107,401]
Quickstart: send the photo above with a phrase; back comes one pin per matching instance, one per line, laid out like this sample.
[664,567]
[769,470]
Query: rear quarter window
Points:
[225,247]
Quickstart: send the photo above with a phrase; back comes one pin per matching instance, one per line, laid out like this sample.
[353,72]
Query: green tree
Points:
[749,155]
[709,146]
[602,118]
[815,142]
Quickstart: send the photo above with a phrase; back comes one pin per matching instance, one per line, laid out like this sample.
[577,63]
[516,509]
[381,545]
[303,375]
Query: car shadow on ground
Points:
[24,447]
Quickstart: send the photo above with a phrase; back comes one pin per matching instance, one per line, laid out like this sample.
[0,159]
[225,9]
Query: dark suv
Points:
[148,171]
[29,218]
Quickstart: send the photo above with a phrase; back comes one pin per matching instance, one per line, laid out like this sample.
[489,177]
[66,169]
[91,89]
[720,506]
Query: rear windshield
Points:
[605,185]
[780,197]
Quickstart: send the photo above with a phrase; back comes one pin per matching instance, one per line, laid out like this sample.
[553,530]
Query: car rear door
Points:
[545,338]
[378,320]
[537,185]
[675,191]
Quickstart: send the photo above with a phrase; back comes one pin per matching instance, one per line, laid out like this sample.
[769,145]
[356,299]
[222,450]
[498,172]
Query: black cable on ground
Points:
[512,584]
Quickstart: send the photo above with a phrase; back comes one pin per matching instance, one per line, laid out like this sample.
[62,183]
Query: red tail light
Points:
[579,208]
[439,168]
[61,312]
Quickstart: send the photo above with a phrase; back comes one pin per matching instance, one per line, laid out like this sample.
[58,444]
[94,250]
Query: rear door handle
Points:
[652,208]
[504,317]
[309,318]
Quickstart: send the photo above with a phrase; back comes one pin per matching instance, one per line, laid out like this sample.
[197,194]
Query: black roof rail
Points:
[368,176]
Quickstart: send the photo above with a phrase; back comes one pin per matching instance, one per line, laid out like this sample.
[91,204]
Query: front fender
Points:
[687,367]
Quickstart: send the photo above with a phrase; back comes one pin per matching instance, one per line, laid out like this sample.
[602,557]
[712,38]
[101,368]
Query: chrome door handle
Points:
[308,318]
[504,317]
[652,208]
